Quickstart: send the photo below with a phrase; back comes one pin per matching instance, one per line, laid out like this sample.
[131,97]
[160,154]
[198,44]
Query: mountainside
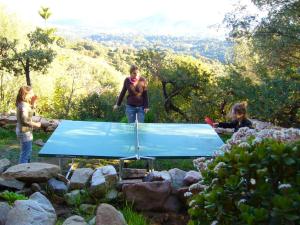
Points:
[210,48]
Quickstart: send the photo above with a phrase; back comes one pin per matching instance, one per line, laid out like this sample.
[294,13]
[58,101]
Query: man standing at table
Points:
[137,98]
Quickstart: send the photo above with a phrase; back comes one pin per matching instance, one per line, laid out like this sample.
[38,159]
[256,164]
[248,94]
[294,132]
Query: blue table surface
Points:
[117,140]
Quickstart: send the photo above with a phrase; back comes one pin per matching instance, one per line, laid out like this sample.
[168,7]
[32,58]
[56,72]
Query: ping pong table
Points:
[73,139]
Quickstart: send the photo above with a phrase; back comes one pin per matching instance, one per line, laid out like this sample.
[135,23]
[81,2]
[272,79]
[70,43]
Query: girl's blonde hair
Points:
[22,94]
[239,108]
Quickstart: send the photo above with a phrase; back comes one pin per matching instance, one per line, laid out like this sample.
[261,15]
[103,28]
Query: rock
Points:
[44,123]
[62,178]
[35,211]
[260,125]
[39,142]
[220,130]
[172,204]
[180,194]
[191,177]
[158,176]
[75,220]
[122,182]
[108,215]
[148,195]
[4,209]
[57,187]
[177,176]
[87,208]
[111,194]
[92,221]
[77,197]
[32,172]
[104,178]
[7,183]
[4,164]
[25,191]
[11,119]
[129,173]
[72,197]
[80,178]
[36,187]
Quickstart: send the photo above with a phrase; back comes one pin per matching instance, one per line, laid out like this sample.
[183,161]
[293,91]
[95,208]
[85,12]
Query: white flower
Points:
[197,187]
[284,186]
[252,181]
[218,166]
[257,140]
[215,222]
[225,147]
[244,145]
[241,201]
[215,180]
[191,203]
[188,194]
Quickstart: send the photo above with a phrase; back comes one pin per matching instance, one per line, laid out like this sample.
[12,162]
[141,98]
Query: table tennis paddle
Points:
[209,121]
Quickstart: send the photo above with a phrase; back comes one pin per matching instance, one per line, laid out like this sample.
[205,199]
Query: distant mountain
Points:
[195,46]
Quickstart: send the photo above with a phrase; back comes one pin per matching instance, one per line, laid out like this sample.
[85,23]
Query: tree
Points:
[182,79]
[35,55]
[275,36]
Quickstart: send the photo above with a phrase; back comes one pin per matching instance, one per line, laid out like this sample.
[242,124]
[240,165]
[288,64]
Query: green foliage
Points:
[275,37]
[132,217]
[11,197]
[253,185]
[99,107]
[183,81]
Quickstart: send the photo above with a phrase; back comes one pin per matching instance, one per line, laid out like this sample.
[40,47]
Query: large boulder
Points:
[177,176]
[4,210]
[108,215]
[4,164]
[35,211]
[75,220]
[191,177]
[32,172]
[11,184]
[103,178]
[158,176]
[148,195]
[80,178]
[132,173]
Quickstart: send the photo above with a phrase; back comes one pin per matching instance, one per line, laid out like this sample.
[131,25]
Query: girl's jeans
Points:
[131,112]
[26,148]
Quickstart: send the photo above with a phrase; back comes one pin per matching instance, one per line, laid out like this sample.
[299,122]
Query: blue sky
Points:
[194,17]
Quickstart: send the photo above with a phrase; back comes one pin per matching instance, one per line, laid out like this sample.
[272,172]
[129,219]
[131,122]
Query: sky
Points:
[146,16]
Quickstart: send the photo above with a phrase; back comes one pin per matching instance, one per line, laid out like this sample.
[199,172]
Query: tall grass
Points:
[132,217]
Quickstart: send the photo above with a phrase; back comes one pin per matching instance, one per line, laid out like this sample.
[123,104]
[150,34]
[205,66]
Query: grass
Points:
[11,197]
[132,217]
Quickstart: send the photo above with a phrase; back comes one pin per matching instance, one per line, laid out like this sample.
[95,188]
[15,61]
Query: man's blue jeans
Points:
[131,112]
[26,149]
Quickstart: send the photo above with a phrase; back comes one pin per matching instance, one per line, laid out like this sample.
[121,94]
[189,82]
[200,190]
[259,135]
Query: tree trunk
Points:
[169,106]
[27,73]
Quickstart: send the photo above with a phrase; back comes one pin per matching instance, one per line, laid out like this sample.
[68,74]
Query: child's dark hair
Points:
[239,108]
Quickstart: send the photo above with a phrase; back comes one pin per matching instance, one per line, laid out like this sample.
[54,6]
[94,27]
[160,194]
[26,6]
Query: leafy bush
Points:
[258,184]
[11,197]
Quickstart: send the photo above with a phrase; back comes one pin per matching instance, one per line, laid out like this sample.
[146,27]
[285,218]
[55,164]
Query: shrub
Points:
[258,184]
